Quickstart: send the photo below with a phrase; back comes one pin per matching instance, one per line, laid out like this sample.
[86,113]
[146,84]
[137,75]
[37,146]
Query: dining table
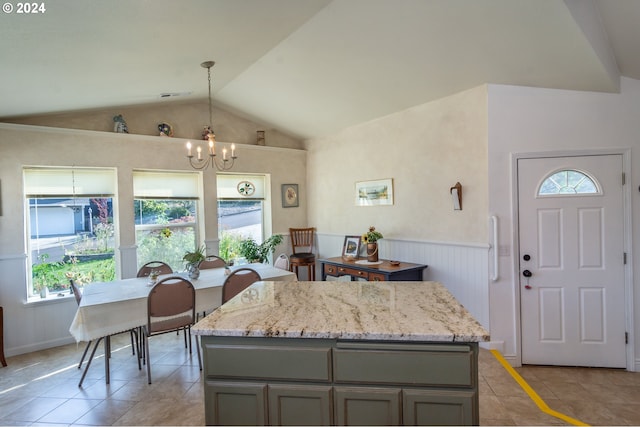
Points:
[109,308]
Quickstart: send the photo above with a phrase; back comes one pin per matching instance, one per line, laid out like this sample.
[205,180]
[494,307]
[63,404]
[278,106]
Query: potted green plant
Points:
[192,261]
[254,252]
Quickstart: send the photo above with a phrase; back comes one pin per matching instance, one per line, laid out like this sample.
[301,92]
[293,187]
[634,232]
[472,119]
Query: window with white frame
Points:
[240,211]
[70,227]
[166,219]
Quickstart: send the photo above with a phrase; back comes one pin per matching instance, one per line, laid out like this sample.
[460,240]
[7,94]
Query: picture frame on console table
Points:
[351,247]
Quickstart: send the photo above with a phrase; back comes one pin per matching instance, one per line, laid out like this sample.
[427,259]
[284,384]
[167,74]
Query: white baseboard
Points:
[512,359]
[493,345]
[15,351]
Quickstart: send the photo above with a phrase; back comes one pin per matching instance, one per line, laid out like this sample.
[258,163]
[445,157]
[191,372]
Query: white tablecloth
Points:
[108,308]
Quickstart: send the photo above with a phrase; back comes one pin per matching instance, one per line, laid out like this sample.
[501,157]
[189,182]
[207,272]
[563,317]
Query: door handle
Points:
[527,274]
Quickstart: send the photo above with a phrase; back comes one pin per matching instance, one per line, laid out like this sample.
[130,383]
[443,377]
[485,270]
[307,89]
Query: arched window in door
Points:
[568,182]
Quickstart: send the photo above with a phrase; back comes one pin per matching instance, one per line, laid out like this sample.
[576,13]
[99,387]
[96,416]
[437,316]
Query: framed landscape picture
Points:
[374,193]
[351,246]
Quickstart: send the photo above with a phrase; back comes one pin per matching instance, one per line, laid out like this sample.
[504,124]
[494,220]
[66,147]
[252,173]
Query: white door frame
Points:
[628,270]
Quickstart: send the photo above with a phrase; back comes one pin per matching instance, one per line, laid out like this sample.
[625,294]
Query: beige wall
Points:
[426,150]
[187,119]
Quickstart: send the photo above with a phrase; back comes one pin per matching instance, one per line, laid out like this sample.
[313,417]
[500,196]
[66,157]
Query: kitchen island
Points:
[341,353]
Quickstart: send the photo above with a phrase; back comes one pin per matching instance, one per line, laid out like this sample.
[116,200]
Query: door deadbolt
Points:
[526,257]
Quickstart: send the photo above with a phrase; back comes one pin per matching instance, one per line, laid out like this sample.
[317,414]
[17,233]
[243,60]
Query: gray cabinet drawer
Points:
[451,366]
[297,405]
[268,362]
[368,406]
[439,407]
[229,403]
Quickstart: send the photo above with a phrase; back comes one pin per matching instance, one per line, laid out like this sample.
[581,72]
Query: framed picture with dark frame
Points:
[351,246]
[290,195]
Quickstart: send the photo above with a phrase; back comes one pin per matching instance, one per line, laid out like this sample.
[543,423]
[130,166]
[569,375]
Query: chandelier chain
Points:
[210,109]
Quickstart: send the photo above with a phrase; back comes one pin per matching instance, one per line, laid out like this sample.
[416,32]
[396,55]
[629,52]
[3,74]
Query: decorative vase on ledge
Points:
[372,252]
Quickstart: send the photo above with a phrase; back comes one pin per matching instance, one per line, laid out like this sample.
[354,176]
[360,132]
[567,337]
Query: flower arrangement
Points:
[371,236]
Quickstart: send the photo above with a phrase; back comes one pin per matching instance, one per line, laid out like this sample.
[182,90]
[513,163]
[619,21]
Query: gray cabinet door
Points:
[439,407]
[367,406]
[235,403]
[300,405]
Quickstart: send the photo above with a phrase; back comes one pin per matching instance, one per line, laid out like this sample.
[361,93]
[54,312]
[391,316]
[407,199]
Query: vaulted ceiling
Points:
[307,67]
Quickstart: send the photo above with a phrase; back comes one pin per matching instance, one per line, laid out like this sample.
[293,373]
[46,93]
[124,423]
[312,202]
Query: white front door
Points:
[572,294]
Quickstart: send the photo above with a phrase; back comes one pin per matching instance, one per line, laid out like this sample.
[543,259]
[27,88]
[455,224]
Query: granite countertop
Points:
[398,311]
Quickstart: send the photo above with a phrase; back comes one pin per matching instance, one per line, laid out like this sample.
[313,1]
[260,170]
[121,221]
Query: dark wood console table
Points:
[404,271]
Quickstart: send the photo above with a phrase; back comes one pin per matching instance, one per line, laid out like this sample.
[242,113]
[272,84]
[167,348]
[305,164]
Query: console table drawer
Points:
[377,277]
[330,270]
[334,270]
[352,272]
[432,368]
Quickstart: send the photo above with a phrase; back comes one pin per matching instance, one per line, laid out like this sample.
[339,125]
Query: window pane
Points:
[238,220]
[71,238]
[165,230]
[167,244]
[568,182]
[586,186]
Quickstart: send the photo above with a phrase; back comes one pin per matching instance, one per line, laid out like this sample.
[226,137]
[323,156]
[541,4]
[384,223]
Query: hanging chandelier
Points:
[201,162]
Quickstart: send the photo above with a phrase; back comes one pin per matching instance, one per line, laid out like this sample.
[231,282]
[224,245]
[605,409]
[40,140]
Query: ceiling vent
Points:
[174,94]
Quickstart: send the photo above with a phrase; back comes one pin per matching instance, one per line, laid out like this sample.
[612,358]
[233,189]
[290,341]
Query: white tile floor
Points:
[41,388]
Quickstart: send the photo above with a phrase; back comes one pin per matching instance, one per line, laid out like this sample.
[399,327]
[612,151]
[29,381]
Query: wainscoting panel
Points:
[462,268]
